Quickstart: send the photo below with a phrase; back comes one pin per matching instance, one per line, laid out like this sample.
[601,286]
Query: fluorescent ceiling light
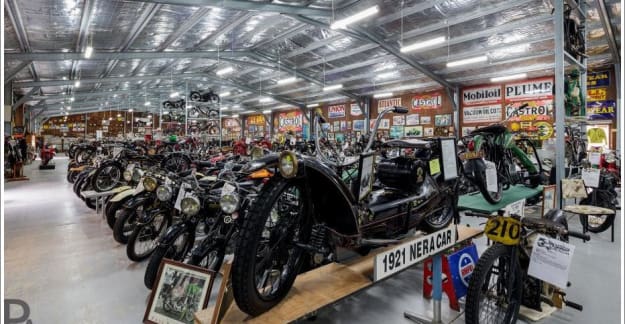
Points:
[224,71]
[332,87]
[386,75]
[342,23]
[509,77]
[265,99]
[150,116]
[423,44]
[119,115]
[224,108]
[110,118]
[147,103]
[130,110]
[77,83]
[224,94]
[267,111]
[88,51]
[165,112]
[476,59]
[115,96]
[313,105]
[235,116]
[174,94]
[72,99]
[69,108]
[383,95]
[287,80]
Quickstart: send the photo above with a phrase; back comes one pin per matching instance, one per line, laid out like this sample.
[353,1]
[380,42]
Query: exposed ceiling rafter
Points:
[248,6]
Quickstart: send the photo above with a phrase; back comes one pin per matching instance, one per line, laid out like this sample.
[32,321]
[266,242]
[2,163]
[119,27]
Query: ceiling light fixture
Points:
[88,51]
[342,23]
[476,59]
[225,94]
[287,81]
[225,71]
[386,75]
[423,44]
[383,95]
[267,111]
[509,77]
[265,99]
[72,99]
[332,87]
[235,116]
[174,94]
[69,108]
[147,103]
[119,115]
[130,110]
[77,83]
[313,105]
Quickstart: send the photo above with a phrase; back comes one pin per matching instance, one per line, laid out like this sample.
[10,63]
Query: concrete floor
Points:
[61,259]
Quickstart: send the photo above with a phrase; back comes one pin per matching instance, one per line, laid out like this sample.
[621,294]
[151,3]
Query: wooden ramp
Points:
[314,290]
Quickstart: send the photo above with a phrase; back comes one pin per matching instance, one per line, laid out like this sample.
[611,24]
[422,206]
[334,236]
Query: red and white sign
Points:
[481,96]
[385,103]
[336,111]
[529,90]
[355,110]
[481,114]
[432,100]
[290,121]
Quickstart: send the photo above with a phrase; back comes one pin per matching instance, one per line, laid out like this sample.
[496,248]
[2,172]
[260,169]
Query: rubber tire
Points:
[221,253]
[130,251]
[431,228]
[100,170]
[90,203]
[608,220]
[243,283]
[124,216]
[161,252]
[480,182]
[110,211]
[472,308]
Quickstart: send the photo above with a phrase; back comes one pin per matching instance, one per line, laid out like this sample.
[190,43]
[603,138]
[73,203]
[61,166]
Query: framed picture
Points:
[413,131]
[365,180]
[442,120]
[412,119]
[549,199]
[426,120]
[179,292]
[428,131]
[399,120]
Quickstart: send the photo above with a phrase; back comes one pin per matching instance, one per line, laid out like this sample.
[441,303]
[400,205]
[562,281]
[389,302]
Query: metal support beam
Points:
[83,33]
[247,6]
[18,24]
[609,33]
[280,37]
[558,22]
[184,27]
[24,98]
[54,83]
[102,56]
[225,29]
[11,75]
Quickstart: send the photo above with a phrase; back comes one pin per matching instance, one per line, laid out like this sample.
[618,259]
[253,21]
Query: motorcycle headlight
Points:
[229,203]
[163,193]
[287,164]
[136,175]
[190,205]
[127,175]
[150,183]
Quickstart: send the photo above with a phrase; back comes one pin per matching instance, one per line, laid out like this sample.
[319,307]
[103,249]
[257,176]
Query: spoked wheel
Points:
[107,177]
[125,224]
[177,251]
[492,197]
[195,96]
[143,239]
[441,217]
[267,258]
[176,163]
[495,290]
[598,223]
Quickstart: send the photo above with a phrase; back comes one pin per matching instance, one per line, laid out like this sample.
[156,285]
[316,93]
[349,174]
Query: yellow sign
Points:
[597,94]
[435,167]
[258,120]
[505,230]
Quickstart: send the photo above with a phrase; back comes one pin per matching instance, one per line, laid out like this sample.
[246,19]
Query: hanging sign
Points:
[481,114]
[336,111]
[354,110]
[290,121]
[598,94]
[598,79]
[598,110]
[432,100]
[531,89]
[385,103]
[258,120]
[551,260]
[481,95]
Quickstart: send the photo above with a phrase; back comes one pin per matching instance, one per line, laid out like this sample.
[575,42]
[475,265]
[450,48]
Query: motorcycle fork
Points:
[512,265]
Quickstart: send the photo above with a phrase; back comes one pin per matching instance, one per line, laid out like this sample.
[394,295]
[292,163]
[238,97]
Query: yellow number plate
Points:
[505,230]
[472,155]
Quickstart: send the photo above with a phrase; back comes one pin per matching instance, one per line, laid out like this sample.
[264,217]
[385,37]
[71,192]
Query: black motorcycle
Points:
[204,96]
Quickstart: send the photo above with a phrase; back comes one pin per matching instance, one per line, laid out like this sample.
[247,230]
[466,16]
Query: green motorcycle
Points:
[492,161]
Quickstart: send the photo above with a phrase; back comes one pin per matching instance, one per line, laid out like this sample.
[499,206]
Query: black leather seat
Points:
[491,129]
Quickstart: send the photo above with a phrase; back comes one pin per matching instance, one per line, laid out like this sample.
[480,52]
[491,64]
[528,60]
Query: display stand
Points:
[18,173]
[477,203]
[99,198]
[325,286]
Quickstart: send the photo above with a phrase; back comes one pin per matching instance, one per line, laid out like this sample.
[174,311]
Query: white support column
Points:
[558,22]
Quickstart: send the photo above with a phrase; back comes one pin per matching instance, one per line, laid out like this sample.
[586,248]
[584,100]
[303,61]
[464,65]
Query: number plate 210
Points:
[505,230]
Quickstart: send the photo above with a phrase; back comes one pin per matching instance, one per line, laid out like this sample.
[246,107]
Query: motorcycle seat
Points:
[410,142]
[203,164]
[491,129]
[540,223]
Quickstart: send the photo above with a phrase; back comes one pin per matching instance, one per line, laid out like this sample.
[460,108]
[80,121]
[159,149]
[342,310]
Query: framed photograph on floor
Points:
[549,199]
[179,292]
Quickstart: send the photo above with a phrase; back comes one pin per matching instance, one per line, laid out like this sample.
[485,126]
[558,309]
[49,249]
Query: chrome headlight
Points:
[287,164]
[190,205]
[136,175]
[164,193]
[127,175]
[229,203]
[150,183]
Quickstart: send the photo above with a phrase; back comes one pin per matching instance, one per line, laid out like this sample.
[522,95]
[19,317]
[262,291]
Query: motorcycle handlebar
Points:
[400,110]
[476,214]
[579,235]
[574,305]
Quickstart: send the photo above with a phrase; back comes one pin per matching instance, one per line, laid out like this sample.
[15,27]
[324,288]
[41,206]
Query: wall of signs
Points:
[255,126]
[74,125]
[601,105]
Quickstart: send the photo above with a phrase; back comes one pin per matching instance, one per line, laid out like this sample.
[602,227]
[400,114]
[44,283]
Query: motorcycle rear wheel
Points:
[600,223]
[480,182]
[124,225]
[146,234]
[177,251]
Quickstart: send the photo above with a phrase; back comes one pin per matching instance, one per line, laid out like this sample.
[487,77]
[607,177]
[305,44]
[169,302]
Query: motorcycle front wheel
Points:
[143,239]
[177,251]
[267,257]
[492,197]
[107,177]
[495,290]
[440,218]
[125,224]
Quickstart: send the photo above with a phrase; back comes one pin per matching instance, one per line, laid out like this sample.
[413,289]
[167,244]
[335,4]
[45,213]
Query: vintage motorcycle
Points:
[310,208]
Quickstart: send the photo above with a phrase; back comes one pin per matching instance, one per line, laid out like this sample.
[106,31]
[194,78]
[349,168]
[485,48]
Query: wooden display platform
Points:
[317,288]
[477,203]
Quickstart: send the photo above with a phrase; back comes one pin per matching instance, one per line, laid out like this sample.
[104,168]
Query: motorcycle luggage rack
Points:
[322,287]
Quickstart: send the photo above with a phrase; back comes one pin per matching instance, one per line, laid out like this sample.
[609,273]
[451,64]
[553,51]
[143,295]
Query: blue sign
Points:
[598,79]
[601,110]
[461,265]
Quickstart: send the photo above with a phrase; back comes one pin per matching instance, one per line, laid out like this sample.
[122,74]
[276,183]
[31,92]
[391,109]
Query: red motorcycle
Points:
[610,162]
[46,154]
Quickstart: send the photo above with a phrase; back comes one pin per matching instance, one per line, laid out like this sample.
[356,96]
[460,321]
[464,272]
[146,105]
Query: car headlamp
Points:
[287,164]
[229,203]
[190,205]
[164,193]
[150,183]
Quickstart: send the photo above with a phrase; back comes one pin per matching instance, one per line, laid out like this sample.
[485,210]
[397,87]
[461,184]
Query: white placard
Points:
[491,176]
[227,189]
[181,194]
[551,261]
[448,152]
[517,208]
[591,177]
[482,114]
[594,158]
[412,252]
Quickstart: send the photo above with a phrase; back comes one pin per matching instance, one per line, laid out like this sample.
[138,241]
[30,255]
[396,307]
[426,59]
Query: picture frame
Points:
[413,131]
[173,300]
[426,120]
[366,175]
[549,199]
[442,120]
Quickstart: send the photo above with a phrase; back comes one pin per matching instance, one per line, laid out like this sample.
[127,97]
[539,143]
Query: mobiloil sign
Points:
[481,95]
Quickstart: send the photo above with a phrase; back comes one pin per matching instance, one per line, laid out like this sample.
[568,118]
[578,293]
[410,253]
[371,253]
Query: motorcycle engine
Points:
[402,172]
